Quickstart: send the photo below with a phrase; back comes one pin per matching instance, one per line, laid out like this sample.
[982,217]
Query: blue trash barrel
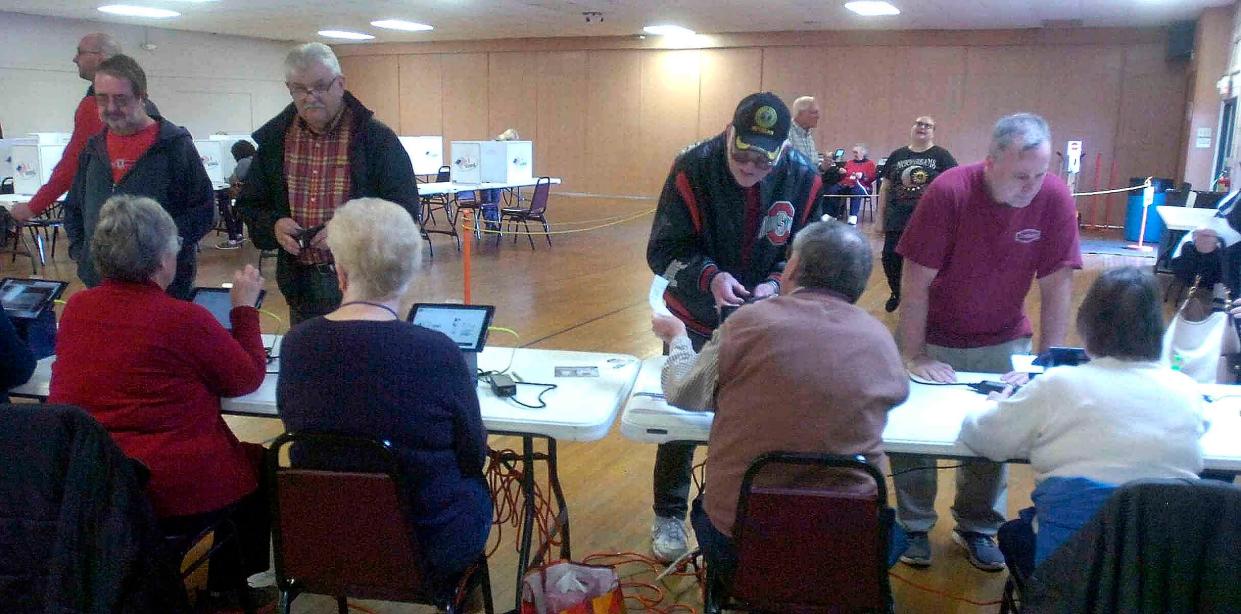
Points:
[1133,212]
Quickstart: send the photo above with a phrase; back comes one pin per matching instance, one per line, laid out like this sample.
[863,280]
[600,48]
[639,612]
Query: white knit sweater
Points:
[1108,420]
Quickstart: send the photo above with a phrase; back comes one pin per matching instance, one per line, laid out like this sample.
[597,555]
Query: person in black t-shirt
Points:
[905,175]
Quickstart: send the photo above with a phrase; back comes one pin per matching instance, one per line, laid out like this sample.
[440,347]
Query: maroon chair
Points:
[807,548]
[537,212]
[348,533]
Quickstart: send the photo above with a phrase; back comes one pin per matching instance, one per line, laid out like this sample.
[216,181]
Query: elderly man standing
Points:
[980,235]
[92,49]
[834,367]
[805,119]
[322,151]
[727,211]
[906,174]
[140,155]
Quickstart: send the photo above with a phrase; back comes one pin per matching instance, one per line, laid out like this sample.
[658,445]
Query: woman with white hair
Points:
[363,370]
[152,369]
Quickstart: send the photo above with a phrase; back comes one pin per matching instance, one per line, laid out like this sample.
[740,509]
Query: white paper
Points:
[656,297]
[1024,363]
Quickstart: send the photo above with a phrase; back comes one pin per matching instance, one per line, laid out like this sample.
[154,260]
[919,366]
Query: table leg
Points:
[562,514]
[527,522]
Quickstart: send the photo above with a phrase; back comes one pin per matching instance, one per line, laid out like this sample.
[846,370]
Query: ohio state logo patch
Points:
[778,225]
[1029,235]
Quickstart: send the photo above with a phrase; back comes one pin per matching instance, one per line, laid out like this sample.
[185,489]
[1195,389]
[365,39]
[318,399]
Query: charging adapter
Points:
[502,385]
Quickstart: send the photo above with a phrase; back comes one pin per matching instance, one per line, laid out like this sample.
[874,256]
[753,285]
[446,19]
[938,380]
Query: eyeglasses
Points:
[926,125]
[300,91]
[759,160]
[82,51]
[119,100]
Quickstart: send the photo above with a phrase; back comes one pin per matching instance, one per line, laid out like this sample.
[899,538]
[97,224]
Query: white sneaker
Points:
[668,539]
[853,220]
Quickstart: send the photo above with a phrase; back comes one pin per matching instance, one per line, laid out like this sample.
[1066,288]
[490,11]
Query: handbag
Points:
[1202,338]
[566,587]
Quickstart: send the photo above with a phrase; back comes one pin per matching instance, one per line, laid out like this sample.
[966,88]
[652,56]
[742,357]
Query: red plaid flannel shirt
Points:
[316,168]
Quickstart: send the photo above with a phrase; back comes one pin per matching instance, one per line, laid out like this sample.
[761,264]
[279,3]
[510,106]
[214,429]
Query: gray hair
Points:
[133,235]
[802,103]
[833,256]
[108,46]
[303,56]
[378,244]
[863,147]
[1025,131]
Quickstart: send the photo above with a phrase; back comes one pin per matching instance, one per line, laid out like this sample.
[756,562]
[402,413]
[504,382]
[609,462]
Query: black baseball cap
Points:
[762,122]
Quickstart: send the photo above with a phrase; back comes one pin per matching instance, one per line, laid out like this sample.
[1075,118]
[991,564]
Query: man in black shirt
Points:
[905,175]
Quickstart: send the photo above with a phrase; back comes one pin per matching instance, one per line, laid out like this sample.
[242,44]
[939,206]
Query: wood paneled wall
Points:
[610,118]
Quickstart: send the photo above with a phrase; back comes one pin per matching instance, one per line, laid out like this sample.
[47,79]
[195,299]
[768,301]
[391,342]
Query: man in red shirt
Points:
[141,155]
[92,50]
[979,235]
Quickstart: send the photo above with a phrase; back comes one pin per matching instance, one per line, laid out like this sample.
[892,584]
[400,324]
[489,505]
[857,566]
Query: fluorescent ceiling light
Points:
[872,8]
[401,24]
[346,35]
[668,31]
[138,11]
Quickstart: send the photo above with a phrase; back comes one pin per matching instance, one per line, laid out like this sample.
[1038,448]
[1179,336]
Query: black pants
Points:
[310,290]
[246,553]
[892,261]
[674,466]
[232,221]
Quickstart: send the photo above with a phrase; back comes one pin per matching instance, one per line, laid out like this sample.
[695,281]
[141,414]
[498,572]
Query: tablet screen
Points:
[27,298]
[466,325]
[219,301]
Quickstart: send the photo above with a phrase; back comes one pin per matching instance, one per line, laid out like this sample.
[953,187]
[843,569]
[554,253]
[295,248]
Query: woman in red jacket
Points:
[859,175]
[152,369]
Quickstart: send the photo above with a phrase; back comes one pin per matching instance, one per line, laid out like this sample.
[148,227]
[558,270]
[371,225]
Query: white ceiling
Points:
[477,19]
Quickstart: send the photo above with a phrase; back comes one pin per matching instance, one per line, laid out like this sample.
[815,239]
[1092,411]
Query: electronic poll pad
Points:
[466,325]
[26,299]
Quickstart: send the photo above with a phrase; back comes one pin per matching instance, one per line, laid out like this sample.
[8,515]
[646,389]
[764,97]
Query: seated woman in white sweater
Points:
[1090,428]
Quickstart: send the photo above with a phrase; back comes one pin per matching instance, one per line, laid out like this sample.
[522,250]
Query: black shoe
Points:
[894,301]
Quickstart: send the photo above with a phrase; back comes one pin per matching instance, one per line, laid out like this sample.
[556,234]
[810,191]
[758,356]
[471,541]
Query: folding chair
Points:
[348,533]
[806,548]
[536,211]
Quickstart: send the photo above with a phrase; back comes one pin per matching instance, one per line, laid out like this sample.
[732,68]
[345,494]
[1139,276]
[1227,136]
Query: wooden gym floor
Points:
[588,292]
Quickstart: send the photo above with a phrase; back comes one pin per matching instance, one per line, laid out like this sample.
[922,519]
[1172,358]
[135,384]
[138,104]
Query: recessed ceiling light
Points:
[138,11]
[668,31]
[401,24]
[872,8]
[346,35]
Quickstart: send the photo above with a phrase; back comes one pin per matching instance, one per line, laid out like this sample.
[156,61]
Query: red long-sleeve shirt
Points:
[152,369]
[86,123]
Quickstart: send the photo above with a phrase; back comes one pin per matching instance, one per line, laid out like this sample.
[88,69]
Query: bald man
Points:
[92,50]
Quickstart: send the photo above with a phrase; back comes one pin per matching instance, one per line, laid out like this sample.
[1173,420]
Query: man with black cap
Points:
[729,208]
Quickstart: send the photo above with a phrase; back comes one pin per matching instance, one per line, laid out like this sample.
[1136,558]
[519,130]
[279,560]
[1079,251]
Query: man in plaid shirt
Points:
[322,151]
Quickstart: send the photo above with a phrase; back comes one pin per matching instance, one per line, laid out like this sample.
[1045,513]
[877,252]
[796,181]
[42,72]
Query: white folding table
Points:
[578,409]
[450,189]
[927,423]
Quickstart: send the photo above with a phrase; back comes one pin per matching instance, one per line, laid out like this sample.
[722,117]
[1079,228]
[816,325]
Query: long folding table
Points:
[927,423]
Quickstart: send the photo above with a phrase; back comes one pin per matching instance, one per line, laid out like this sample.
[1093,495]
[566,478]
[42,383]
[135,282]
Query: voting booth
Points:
[426,153]
[227,163]
[492,161]
[212,154]
[32,166]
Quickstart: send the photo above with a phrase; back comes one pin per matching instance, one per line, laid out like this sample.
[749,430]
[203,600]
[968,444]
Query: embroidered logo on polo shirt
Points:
[1028,235]
[778,224]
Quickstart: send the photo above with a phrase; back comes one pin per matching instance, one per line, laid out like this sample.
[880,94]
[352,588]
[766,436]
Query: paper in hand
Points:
[656,298]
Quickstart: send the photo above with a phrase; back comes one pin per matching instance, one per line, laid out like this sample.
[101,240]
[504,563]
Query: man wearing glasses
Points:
[905,175]
[729,208]
[92,50]
[140,155]
[322,151]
